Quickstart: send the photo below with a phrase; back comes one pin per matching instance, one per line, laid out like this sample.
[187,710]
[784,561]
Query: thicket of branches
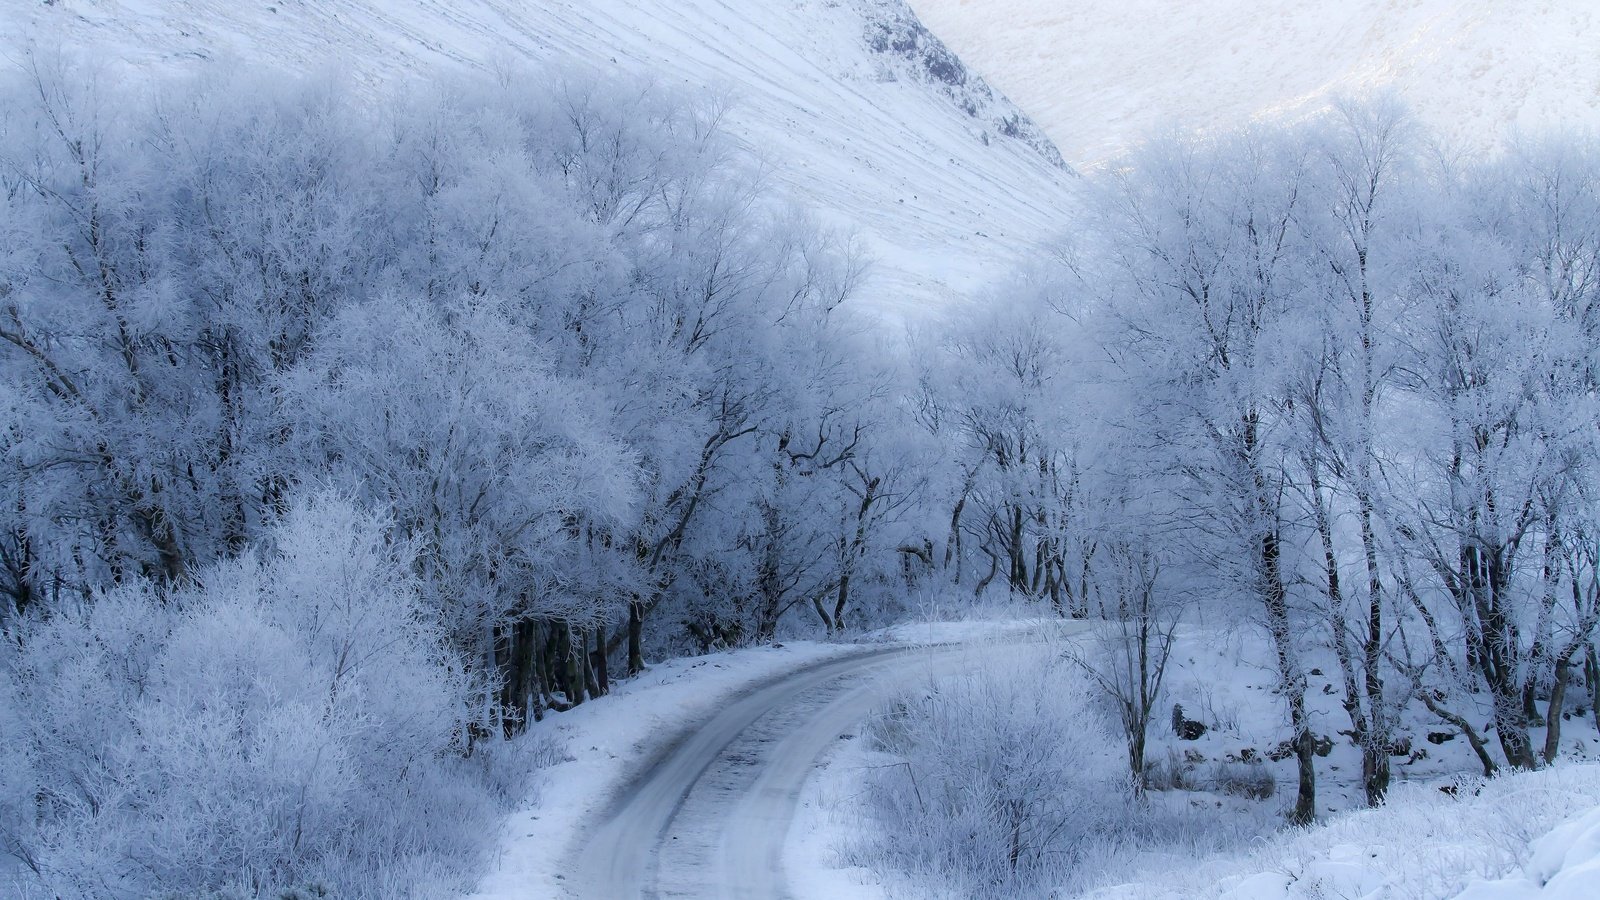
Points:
[547,329]
[1325,376]
[1323,379]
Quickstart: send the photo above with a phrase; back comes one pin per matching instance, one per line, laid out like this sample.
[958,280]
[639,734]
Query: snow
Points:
[1440,832]
[1225,678]
[611,739]
[1098,75]
[606,742]
[940,200]
[825,824]
[971,631]
[828,821]
[1423,844]
[1564,865]
[1523,836]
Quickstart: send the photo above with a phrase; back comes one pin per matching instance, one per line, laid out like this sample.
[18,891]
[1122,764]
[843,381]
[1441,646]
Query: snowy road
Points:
[709,817]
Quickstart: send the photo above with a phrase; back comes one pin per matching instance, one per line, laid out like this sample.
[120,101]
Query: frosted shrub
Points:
[289,722]
[1243,779]
[1002,779]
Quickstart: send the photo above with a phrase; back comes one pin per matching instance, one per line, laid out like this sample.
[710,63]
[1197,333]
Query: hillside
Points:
[1097,75]
[856,110]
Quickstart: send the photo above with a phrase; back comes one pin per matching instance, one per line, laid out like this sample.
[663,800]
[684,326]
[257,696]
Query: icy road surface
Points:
[710,815]
[709,818]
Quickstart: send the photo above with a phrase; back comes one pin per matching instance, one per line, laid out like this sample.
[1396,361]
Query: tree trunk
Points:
[1495,637]
[840,601]
[591,683]
[1138,726]
[1375,772]
[635,637]
[1018,556]
[573,665]
[952,549]
[1591,673]
[544,676]
[601,665]
[518,689]
[1291,679]
[1465,727]
[1558,698]
[1374,749]
[822,613]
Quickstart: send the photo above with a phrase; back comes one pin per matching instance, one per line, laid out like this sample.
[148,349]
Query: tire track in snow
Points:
[710,816]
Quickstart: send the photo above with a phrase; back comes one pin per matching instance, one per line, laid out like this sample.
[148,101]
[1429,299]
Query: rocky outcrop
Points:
[909,50]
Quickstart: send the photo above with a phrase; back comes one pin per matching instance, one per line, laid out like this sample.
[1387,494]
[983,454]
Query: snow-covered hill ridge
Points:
[1097,75]
[856,110]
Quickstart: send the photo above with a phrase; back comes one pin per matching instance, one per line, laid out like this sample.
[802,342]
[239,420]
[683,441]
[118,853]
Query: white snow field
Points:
[1098,74]
[855,110]
[1426,844]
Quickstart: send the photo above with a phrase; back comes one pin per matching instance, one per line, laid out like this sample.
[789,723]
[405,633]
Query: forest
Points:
[348,434]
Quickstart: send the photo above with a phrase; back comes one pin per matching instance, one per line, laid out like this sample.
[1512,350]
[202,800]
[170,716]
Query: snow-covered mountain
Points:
[1099,74]
[857,110]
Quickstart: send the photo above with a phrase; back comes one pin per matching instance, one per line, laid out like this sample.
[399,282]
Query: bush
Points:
[1250,780]
[287,724]
[1002,780]
[1169,773]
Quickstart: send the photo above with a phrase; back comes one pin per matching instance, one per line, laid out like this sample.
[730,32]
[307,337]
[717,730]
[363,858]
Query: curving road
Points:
[709,817]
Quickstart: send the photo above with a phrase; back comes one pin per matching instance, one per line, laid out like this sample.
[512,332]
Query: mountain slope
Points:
[1097,75]
[856,110]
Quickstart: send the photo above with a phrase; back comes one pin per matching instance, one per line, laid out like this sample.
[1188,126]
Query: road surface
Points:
[709,817]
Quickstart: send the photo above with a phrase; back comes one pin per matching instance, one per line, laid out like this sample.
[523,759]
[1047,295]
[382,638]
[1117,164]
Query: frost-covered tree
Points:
[290,720]
[1206,282]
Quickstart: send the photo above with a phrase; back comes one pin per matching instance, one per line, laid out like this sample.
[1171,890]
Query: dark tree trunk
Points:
[517,692]
[1558,699]
[841,600]
[1018,559]
[1136,741]
[1495,638]
[1291,679]
[1591,674]
[544,672]
[601,666]
[635,637]
[1465,727]
[591,683]
[574,664]
[1375,772]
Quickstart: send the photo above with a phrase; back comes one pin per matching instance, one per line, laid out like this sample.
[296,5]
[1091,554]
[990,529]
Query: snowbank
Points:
[1430,841]
[1563,865]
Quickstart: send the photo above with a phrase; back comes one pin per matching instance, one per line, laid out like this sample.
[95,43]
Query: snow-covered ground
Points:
[1502,839]
[1526,836]
[853,111]
[1444,829]
[607,741]
[1100,74]
[1564,865]
[1224,677]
